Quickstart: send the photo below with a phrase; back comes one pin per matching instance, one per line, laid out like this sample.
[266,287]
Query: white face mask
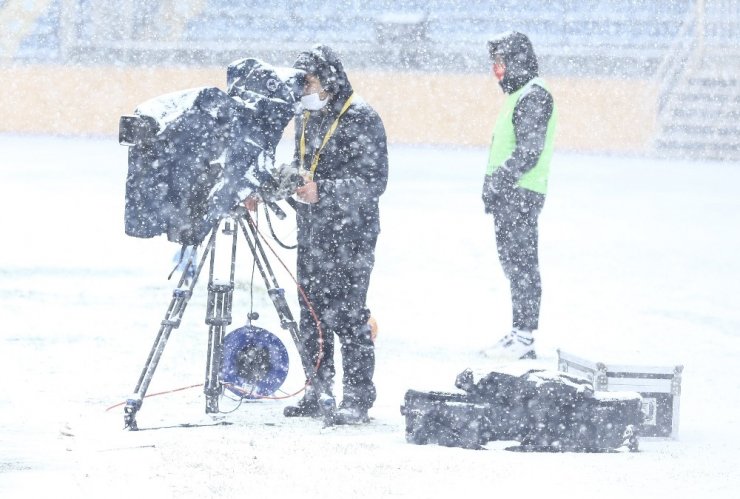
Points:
[312,102]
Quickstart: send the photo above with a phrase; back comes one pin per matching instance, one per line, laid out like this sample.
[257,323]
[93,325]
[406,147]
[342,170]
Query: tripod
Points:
[218,316]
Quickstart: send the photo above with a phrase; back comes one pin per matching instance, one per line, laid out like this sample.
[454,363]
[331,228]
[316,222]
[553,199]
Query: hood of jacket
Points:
[519,58]
[322,62]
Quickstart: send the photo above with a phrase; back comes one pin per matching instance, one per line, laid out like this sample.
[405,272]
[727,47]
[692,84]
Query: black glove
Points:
[280,183]
[504,182]
[499,188]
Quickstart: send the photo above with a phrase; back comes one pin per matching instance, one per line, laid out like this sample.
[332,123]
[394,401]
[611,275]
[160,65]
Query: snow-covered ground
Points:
[640,266]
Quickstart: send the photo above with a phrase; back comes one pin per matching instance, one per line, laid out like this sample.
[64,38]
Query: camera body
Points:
[194,154]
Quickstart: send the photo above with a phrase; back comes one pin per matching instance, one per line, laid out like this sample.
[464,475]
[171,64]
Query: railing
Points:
[699,85]
[710,28]
[678,56]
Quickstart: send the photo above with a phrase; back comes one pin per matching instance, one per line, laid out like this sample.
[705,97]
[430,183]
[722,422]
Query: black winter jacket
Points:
[351,175]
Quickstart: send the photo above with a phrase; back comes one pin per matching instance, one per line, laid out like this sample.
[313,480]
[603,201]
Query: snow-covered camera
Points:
[194,154]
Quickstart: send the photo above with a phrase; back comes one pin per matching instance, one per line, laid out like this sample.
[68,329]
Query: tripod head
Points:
[196,153]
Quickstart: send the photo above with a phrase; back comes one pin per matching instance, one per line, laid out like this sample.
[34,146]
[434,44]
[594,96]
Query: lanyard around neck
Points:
[308,175]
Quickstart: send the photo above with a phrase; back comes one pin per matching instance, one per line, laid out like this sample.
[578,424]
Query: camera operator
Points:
[341,152]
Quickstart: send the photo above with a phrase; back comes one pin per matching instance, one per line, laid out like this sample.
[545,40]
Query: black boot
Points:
[307,407]
[350,414]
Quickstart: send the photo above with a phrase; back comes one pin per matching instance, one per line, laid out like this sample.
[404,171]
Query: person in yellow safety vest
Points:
[515,184]
[341,152]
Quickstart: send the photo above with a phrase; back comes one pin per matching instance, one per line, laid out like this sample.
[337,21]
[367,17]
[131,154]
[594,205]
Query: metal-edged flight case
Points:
[660,388]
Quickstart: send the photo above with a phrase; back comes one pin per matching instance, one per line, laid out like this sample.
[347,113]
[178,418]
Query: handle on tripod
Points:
[276,209]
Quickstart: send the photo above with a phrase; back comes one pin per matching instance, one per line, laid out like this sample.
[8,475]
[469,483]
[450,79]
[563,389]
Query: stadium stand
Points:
[29,30]
[576,35]
[689,48]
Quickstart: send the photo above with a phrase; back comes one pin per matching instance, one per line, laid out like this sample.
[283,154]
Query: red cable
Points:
[158,393]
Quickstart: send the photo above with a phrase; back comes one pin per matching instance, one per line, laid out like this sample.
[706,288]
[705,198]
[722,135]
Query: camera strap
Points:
[315,162]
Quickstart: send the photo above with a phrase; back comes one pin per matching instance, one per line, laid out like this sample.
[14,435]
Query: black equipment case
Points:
[542,410]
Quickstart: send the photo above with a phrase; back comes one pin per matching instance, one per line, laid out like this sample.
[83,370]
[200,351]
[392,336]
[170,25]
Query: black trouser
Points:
[335,278]
[515,221]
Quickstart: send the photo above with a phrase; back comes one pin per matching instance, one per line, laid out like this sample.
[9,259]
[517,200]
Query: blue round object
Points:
[254,362]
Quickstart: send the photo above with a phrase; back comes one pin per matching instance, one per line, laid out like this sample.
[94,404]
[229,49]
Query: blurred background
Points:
[645,77]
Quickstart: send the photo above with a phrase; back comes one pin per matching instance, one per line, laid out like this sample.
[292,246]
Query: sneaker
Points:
[307,407]
[348,415]
[516,345]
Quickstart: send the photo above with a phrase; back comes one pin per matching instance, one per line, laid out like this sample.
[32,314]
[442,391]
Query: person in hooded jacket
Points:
[341,152]
[515,184]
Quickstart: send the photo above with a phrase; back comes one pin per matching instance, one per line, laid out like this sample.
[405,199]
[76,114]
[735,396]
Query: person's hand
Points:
[308,193]
[503,182]
[373,328]
[251,203]
[498,188]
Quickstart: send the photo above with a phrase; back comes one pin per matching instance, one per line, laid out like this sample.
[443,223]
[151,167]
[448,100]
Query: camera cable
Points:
[272,232]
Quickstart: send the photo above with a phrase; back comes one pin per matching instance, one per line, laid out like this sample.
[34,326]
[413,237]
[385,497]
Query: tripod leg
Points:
[172,320]
[180,297]
[218,316]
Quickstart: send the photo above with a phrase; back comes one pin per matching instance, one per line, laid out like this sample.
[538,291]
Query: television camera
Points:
[193,156]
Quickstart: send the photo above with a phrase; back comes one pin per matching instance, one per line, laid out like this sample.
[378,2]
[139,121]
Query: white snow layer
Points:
[640,267]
